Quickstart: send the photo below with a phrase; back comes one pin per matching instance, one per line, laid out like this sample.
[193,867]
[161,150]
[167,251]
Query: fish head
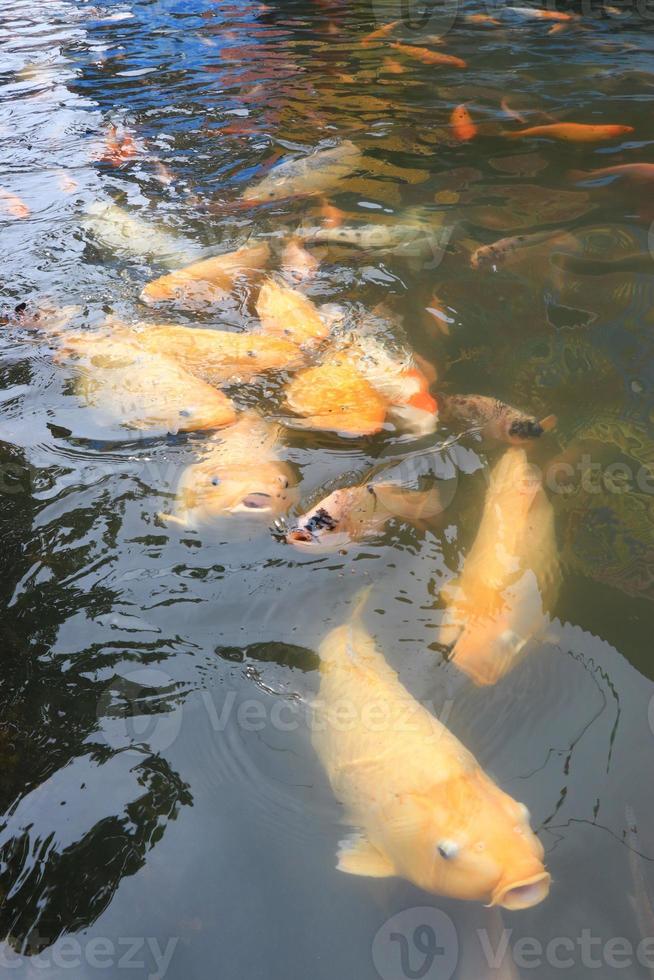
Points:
[468,840]
[335,521]
[261,491]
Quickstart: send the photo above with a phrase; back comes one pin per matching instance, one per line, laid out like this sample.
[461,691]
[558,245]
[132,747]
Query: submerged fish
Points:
[423,807]
[118,149]
[536,13]
[572,132]
[287,313]
[416,231]
[429,57]
[216,356]
[13,205]
[634,173]
[462,125]
[380,32]
[141,390]
[353,513]
[493,418]
[239,474]
[126,234]
[297,263]
[498,604]
[496,253]
[335,396]
[318,172]
[207,281]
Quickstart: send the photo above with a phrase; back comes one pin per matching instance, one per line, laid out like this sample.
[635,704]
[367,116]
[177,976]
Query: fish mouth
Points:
[523,894]
[300,535]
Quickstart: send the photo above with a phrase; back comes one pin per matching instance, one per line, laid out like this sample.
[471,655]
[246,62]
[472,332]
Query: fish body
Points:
[572,132]
[634,173]
[493,418]
[535,13]
[498,252]
[218,356]
[413,233]
[480,19]
[239,474]
[429,57]
[298,264]
[116,229]
[118,149]
[423,808]
[379,33]
[318,172]
[287,313]
[399,380]
[13,205]
[498,604]
[335,396]
[209,280]
[353,513]
[141,390]
[462,125]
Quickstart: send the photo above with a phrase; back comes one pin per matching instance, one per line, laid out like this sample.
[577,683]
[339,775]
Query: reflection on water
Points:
[158,775]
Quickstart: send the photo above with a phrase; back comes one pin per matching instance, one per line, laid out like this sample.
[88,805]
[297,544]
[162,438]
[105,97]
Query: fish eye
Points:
[215,481]
[448,849]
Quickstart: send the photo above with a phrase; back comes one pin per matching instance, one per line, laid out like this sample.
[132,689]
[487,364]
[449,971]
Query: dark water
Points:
[164,812]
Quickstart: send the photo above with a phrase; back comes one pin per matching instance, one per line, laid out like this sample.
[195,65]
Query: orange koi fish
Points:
[336,397]
[429,57]
[572,132]
[423,808]
[379,33]
[636,173]
[118,149]
[13,204]
[480,19]
[287,313]
[462,125]
[208,280]
[512,112]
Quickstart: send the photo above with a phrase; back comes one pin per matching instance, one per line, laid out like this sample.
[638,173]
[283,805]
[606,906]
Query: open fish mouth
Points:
[523,894]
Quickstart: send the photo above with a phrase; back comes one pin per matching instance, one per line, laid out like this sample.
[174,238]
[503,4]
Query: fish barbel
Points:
[320,171]
[422,806]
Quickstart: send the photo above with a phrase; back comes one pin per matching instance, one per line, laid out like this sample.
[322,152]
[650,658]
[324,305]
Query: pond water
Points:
[164,811]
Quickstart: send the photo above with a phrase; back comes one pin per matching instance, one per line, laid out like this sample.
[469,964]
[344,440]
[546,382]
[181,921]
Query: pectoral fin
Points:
[412,505]
[357,856]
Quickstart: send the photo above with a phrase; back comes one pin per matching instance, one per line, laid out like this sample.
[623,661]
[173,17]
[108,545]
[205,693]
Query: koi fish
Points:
[216,356]
[462,125]
[118,149]
[353,513]
[321,170]
[239,474]
[379,33]
[13,205]
[500,250]
[297,263]
[399,380]
[634,173]
[494,419]
[209,280]
[429,57]
[287,313]
[504,105]
[335,396]
[572,132]
[498,604]
[393,67]
[332,216]
[141,390]
[423,807]
[535,13]
[116,229]
[480,19]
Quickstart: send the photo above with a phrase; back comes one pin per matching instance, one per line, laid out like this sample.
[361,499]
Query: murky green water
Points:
[163,806]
